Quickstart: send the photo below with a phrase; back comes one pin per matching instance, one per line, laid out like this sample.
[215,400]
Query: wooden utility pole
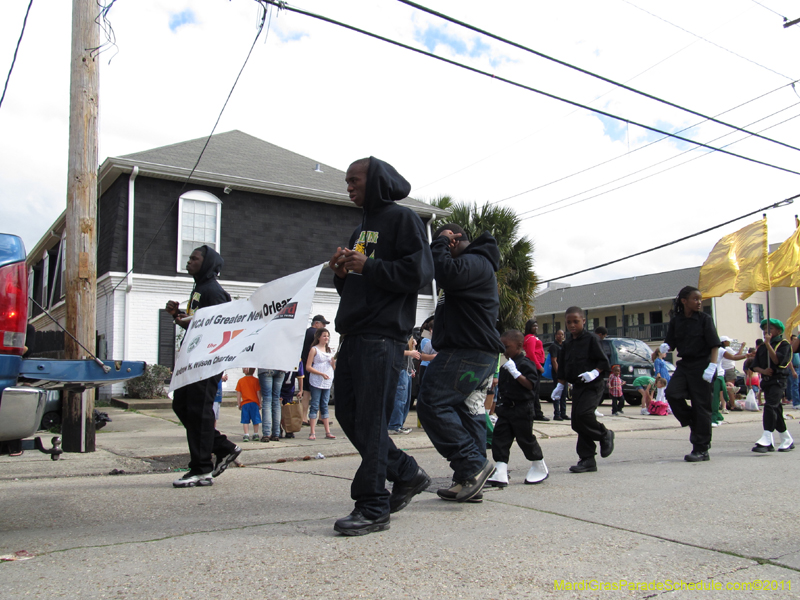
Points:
[81,236]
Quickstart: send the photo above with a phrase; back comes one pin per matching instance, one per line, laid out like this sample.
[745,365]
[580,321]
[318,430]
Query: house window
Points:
[198,224]
[545,328]
[755,313]
[30,292]
[62,256]
[45,279]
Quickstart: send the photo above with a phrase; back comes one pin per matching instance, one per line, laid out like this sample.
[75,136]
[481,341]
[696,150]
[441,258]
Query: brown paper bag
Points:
[292,417]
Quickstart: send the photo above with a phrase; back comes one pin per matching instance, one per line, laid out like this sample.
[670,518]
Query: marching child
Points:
[692,333]
[772,362]
[248,395]
[581,361]
[615,391]
[320,367]
[515,413]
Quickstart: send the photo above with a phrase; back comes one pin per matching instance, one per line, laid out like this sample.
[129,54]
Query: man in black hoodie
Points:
[194,403]
[387,261]
[450,404]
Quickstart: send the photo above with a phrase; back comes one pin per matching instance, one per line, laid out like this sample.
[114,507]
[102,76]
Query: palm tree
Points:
[516,280]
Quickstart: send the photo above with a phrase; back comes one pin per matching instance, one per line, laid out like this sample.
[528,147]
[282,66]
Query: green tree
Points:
[516,280]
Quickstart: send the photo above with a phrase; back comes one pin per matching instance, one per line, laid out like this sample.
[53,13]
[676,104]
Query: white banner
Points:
[266,331]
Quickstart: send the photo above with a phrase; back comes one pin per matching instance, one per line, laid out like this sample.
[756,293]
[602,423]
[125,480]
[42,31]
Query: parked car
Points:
[25,382]
[633,357]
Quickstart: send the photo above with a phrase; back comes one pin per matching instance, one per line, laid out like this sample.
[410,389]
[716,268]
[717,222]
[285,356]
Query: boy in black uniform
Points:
[194,403]
[581,361]
[515,413]
[772,362]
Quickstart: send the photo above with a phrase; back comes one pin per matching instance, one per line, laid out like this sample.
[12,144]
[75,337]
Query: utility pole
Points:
[81,236]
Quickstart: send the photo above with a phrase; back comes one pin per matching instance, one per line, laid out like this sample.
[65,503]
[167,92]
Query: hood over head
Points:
[485,245]
[212,264]
[384,185]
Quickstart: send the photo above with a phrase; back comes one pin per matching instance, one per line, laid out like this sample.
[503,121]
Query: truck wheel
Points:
[50,419]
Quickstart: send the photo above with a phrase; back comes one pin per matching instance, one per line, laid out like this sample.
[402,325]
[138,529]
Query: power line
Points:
[770,10]
[640,179]
[780,204]
[586,72]
[629,152]
[525,87]
[706,40]
[658,163]
[13,60]
[202,151]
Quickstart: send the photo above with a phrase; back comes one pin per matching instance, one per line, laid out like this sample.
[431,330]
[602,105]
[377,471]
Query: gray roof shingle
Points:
[245,162]
[632,290]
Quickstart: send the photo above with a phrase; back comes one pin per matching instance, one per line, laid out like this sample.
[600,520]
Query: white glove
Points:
[710,372]
[557,392]
[589,376]
[511,367]
[663,348]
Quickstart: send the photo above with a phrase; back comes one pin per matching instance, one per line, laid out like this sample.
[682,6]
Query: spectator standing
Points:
[218,398]
[451,404]
[376,315]
[615,391]
[320,366]
[193,403]
[318,322]
[271,381]
[560,402]
[792,391]
[534,350]
[248,396]
[293,379]
[402,399]
[660,365]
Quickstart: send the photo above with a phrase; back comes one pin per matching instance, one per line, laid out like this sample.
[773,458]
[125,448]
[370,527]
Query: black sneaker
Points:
[542,418]
[190,479]
[475,483]
[450,493]
[763,449]
[585,465]
[403,492]
[697,456]
[357,524]
[607,444]
[225,461]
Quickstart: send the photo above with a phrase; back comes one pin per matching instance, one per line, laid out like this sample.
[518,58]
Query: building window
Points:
[755,313]
[62,255]
[198,224]
[45,279]
[30,292]
[545,328]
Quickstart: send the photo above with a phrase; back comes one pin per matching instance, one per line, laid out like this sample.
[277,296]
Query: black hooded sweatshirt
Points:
[468,307]
[207,290]
[383,299]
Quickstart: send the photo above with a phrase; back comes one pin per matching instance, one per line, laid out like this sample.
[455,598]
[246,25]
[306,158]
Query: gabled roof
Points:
[243,162]
[632,290]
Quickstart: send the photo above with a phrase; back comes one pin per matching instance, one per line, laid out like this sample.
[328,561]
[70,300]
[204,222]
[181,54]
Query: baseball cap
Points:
[320,318]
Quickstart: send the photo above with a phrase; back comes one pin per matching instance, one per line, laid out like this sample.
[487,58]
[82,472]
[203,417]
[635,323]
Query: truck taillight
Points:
[13,308]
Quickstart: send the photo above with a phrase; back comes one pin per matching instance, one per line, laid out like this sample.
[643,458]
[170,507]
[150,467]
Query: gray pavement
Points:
[266,530]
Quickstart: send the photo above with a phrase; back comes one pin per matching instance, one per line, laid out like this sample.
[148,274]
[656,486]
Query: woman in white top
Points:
[320,367]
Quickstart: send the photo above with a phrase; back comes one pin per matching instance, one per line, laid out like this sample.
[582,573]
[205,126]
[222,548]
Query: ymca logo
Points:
[195,343]
[227,336]
[287,312]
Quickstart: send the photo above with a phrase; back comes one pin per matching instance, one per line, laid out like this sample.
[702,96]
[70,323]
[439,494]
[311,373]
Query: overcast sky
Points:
[334,95]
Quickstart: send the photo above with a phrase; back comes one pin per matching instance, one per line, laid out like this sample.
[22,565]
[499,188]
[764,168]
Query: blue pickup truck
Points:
[24,382]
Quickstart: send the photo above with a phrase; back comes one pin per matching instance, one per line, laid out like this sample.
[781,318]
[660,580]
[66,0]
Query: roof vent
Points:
[317,169]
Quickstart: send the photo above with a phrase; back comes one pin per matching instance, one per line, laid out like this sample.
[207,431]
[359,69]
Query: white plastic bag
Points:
[750,402]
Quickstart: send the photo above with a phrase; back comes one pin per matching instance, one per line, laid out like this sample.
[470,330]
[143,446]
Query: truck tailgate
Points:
[76,374]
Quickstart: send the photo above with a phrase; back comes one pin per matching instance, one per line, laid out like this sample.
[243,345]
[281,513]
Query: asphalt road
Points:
[265,531]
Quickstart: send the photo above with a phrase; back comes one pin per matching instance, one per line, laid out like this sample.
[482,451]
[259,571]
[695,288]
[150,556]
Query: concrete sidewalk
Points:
[150,440]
